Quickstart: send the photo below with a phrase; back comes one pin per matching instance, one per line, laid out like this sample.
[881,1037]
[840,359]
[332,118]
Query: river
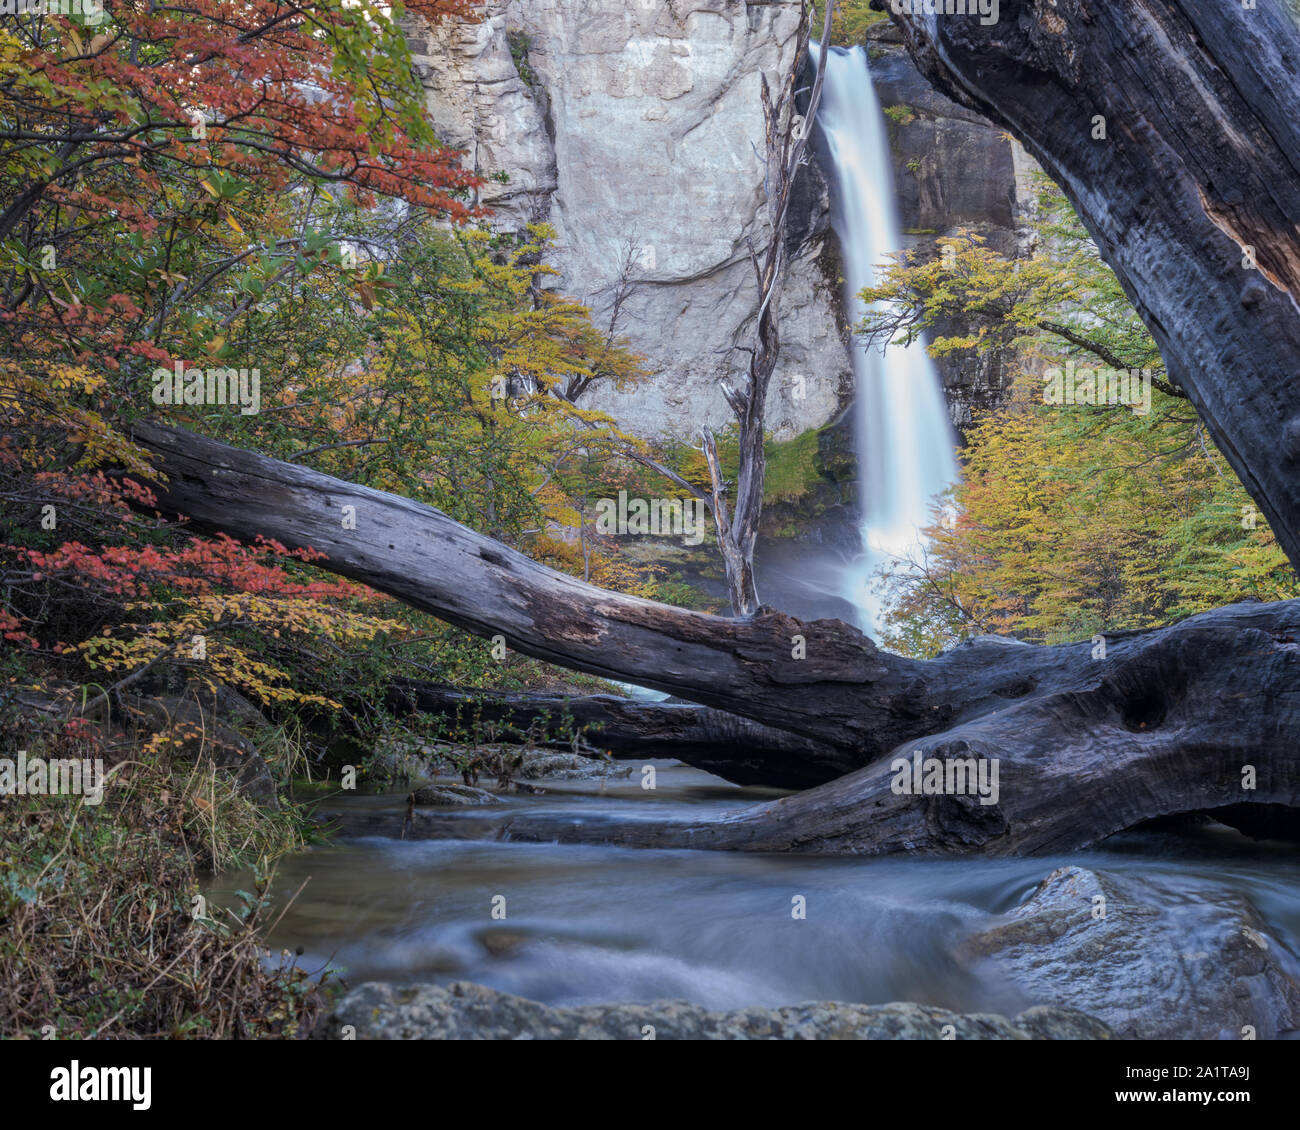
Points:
[590,924]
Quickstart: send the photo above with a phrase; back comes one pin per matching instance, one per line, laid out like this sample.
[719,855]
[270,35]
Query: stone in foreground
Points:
[1152,962]
[465,1011]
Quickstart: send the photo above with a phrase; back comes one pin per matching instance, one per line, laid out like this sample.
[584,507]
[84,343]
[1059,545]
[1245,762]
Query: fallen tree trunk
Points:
[840,691]
[1199,717]
[730,747]
[1192,194]
[1085,741]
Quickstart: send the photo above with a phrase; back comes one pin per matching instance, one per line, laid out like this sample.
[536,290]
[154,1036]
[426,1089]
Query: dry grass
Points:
[103,931]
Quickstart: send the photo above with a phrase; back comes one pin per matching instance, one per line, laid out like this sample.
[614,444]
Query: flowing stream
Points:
[903,435]
[590,924]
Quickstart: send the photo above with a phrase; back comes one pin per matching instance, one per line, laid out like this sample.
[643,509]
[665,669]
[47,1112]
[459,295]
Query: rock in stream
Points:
[1151,961]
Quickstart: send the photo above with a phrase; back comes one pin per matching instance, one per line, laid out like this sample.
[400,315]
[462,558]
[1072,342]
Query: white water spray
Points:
[903,435]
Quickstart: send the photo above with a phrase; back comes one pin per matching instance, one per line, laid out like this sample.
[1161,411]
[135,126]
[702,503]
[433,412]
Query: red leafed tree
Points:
[165,170]
[130,144]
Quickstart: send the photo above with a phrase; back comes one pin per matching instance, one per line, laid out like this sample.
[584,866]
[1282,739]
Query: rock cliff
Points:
[631,127]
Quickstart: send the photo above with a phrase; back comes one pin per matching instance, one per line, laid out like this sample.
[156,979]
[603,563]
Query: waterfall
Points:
[902,432]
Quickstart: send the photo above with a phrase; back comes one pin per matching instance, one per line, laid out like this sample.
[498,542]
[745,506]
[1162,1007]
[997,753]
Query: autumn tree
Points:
[257,186]
[169,175]
[1070,519]
[151,161]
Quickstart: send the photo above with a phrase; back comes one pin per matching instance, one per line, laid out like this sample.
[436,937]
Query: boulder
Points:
[1152,961]
[554,765]
[465,1011]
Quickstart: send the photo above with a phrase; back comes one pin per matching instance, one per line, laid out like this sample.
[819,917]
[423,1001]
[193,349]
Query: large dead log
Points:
[1193,194]
[823,679]
[1087,740]
[1175,720]
[726,745]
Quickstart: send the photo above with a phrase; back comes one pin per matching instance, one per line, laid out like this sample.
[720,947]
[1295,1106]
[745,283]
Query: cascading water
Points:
[903,435]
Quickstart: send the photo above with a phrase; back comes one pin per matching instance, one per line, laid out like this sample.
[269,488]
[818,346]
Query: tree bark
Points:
[1176,720]
[1197,178]
[726,745]
[1087,741]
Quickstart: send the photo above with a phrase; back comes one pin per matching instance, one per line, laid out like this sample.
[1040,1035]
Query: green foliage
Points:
[792,469]
[850,22]
[520,42]
[1071,519]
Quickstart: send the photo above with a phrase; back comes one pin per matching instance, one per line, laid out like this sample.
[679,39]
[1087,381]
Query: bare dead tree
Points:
[786,139]
[786,152]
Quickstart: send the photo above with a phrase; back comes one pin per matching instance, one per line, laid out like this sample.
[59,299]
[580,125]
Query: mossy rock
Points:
[792,471]
[837,457]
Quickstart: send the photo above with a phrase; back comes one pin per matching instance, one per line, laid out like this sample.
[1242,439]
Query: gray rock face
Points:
[634,135]
[1158,965]
[479,103]
[632,129]
[954,167]
[464,1011]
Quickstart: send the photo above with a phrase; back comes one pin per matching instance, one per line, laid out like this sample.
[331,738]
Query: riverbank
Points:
[105,932]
